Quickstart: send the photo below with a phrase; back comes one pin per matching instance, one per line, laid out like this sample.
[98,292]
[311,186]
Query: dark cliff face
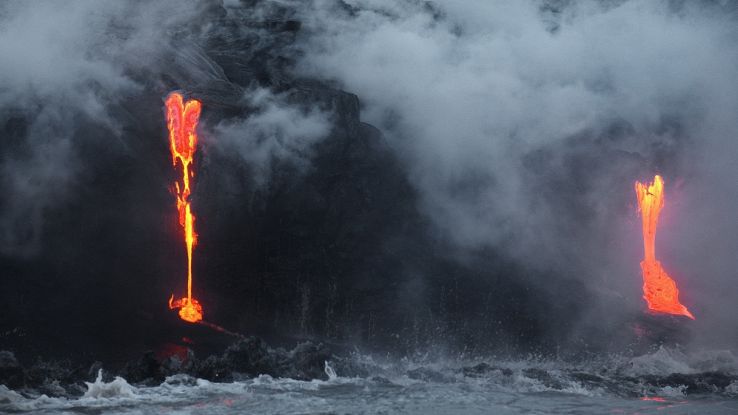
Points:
[335,250]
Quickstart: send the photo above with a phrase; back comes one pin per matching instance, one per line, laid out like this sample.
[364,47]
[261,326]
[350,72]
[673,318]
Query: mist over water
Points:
[509,387]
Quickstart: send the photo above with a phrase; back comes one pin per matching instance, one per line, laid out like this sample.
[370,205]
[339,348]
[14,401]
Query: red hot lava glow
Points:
[182,118]
[659,289]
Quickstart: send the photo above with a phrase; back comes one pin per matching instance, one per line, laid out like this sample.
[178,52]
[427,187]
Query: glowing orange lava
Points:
[182,118]
[659,289]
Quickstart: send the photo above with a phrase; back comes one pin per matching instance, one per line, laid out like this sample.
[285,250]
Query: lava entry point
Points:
[660,329]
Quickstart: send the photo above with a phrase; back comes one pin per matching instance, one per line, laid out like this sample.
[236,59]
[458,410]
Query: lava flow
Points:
[182,118]
[659,289]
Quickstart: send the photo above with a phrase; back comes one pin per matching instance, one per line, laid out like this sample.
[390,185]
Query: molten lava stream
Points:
[182,119]
[659,289]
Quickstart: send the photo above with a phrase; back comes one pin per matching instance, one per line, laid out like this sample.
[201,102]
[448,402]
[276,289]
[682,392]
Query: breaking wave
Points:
[666,378]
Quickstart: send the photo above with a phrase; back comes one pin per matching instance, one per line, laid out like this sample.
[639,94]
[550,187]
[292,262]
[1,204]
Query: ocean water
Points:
[613,386]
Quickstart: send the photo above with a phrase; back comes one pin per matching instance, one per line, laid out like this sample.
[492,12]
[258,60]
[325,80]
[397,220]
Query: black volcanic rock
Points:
[483,369]
[60,378]
[147,369]
[428,375]
[247,357]
[214,369]
[708,382]
[306,361]
[250,356]
[544,377]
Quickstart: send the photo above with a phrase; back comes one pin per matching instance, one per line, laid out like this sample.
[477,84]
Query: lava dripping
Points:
[182,119]
[659,289]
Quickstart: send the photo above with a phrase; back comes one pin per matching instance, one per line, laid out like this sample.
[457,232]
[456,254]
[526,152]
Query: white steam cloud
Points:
[276,131]
[64,64]
[68,66]
[525,124]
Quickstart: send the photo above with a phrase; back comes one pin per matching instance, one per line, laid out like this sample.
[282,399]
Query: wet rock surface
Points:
[610,381]
[246,358]
[250,357]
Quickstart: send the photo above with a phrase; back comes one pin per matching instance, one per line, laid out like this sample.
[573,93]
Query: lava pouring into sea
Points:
[659,289]
[182,119]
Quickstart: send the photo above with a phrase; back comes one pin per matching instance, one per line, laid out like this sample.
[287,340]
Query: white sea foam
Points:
[732,389]
[666,361]
[522,386]
[115,389]
[8,396]
[329,371]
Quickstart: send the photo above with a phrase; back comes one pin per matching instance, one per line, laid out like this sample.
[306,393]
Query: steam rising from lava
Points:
[523,123]
[659,289]
[182,118]
[510,118]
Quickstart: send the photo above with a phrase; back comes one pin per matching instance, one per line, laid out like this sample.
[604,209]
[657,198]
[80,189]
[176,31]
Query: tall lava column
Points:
[182,118]
[659,289]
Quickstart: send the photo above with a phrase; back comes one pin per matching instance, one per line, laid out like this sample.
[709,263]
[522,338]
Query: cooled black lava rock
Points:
[250,356]
[428,375]
[544,377]
[214,369]
[484,369]
[147,370]
[247,358]
[60,378]
[306,361]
